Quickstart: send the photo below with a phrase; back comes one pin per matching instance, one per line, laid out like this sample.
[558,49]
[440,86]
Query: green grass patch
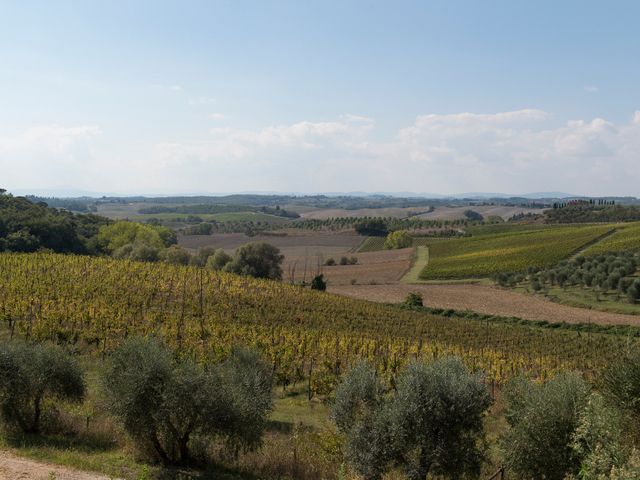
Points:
[577,296]
[420,261]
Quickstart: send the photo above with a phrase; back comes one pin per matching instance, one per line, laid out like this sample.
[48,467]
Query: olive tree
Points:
[32,374]
[543,420]
[621,381]
[437,419]
[431,425]
[361,414]
[257,259]
[164,402]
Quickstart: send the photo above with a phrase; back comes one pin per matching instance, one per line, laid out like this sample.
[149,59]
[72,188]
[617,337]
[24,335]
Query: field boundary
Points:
[420,261]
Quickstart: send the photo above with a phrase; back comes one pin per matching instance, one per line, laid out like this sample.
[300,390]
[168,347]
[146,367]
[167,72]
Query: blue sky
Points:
[432,96]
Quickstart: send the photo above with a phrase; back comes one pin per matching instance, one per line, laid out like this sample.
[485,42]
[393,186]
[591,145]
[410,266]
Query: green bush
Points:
[175,255]
[542,420]
[319,283]
[29,376]
[163,402]
[621,381]
[398,239]
[414,299]
[218,260]
[202,256]
[258,259]
[432,425]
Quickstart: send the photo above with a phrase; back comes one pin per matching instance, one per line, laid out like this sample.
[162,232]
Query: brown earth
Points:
[306,252]
[347,241]
[487,300]
[13,467]
[384,266]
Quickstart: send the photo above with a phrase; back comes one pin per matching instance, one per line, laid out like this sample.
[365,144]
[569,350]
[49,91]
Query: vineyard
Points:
[482,256]
[626,237]
[94,303]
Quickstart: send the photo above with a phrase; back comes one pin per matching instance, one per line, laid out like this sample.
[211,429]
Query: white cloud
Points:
[514,152]
[591,88]
[49,155]
[217,116]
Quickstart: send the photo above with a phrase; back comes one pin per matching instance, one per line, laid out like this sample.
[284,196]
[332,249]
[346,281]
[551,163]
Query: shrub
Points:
[633,291]
[596,440]
[621,381]
[175,255]
[139,252]
[319,283]
[29,376]
[414,299]
[202,255]
[543,419]
[398,239]
[218,260]
[330,262]
[163,403]
[259,259]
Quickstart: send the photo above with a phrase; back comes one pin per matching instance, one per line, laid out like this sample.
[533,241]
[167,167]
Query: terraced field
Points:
[482,256]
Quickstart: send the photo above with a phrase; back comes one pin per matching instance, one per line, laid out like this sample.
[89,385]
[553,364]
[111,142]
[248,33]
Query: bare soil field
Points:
[487,300]
[306,252]
[386,266]
[13,467]
[455,213]
[342,242]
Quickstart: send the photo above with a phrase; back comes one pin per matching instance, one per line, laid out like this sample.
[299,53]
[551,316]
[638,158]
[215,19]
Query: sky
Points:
[442,97]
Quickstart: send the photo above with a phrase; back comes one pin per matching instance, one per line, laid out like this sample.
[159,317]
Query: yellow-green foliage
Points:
[398,239]
[375,244]
[482,256]
[626,237]
[94,303]
[118,234]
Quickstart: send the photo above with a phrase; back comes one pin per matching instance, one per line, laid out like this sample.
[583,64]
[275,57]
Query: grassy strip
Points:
[420,261]
[620,330]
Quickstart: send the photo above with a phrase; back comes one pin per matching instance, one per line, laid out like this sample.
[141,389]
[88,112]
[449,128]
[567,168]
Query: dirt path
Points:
[13,467]
[488,300]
